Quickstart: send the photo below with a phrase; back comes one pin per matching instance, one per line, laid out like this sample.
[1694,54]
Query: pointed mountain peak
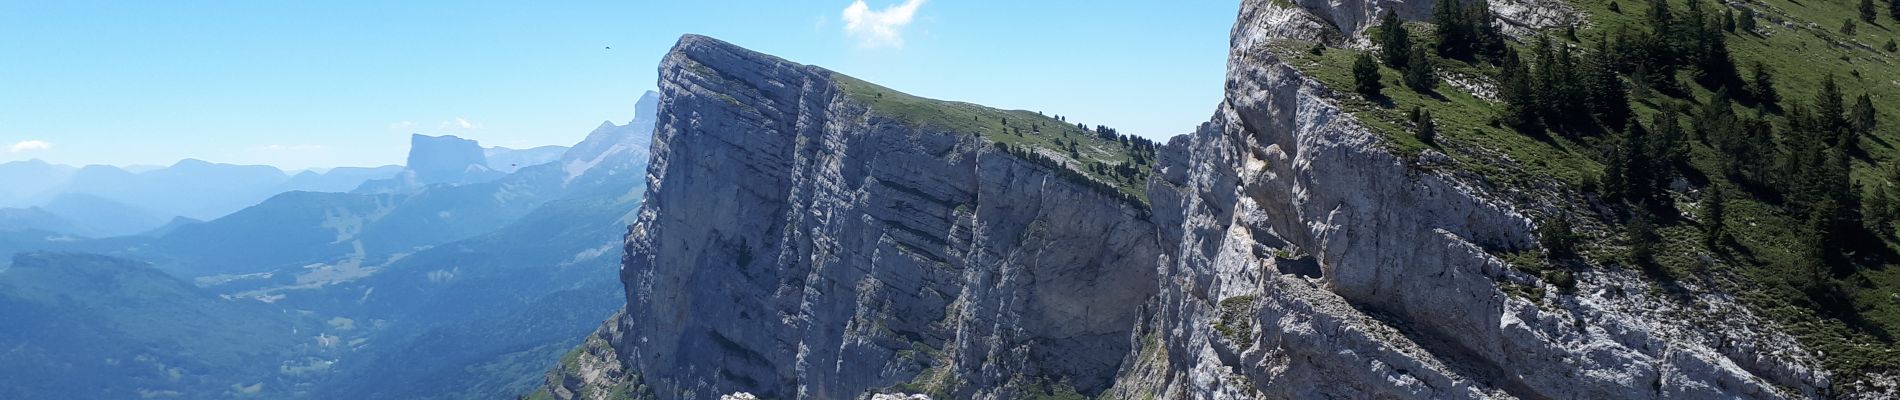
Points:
[648,108]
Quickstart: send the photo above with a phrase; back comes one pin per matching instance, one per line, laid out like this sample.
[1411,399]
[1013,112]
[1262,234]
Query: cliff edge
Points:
[809,235]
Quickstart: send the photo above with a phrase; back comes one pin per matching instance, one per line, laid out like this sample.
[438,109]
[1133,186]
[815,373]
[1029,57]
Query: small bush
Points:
[1560,239]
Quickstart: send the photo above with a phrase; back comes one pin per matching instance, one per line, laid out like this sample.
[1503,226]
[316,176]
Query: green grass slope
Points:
[1092,152]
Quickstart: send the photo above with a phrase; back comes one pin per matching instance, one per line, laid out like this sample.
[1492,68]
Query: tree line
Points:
[1788,152]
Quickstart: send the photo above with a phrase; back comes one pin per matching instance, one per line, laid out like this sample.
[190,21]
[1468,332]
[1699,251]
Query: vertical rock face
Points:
[798,244]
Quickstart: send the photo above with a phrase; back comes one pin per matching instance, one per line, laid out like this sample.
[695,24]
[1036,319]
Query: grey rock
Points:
[1410,302]
[794,243]
[798,244]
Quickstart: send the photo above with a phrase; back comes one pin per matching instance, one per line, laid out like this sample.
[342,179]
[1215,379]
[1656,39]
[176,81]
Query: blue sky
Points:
[340,83]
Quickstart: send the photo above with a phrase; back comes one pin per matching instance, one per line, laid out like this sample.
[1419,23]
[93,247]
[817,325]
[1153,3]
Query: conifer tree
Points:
[1715,122]
[1485,33]
[1748,155]
[1607,98]
[1878,210]
[1746,22]
[1669,146]
[1693,17]
[1424,128]
[1453,34]
[1728,20]
[1639,79]
[1554,83]
[1570,91]
[1714,66]
[1714,214]
[1365,74]
[1763,85]
[1867,11]
[1661,19]
[1418,73]
[1394,41]
[1619,49]
[1823,223]
[1657,54]
[1863,118]
[1643,239]
[1814,171]
[1629,172]
[1830,112]
[1802,150]
[1520,111]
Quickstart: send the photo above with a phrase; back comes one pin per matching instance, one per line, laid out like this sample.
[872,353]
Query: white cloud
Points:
[291,147]
[402,125]
[882,27]
[29,145]
[460,123]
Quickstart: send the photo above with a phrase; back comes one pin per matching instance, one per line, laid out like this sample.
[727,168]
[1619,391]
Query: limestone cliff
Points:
[1409,301]
[800,241]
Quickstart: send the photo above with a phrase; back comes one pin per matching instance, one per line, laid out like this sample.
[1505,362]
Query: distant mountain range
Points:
[466,286]
[106,201]
[506,160]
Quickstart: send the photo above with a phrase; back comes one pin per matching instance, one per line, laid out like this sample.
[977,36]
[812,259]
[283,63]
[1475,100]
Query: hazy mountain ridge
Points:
[147,199]
[507,160]
[396,293]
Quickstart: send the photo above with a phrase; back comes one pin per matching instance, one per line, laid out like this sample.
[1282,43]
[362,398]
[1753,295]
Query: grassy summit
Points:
[1841,302]
[1113,161]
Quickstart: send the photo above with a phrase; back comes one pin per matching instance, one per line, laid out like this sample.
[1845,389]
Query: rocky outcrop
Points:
[1409,302]
[796,242]
[595,370]
[1335,21]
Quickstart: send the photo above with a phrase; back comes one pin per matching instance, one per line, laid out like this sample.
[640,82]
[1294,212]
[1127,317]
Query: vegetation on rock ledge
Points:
[1772,181]
[1115,162]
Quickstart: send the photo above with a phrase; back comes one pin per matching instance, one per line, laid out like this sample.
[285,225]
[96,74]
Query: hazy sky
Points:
[340,83]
